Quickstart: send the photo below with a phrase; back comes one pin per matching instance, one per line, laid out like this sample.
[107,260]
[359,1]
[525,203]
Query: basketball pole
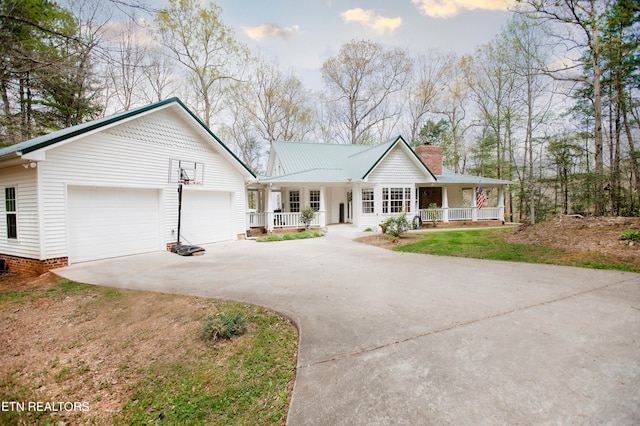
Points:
[183,178]
[179,211]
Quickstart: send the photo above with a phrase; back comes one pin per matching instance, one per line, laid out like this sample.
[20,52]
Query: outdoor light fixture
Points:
[30,164]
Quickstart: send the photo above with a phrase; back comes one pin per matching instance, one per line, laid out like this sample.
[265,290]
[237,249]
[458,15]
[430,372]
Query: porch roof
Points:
[448,176]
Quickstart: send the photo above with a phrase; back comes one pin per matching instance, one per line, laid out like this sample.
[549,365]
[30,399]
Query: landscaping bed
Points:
[565,240]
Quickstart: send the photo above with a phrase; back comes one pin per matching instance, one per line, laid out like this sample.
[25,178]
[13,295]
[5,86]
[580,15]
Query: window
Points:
[314,199]
[367,200]
[10,208]
[294,201]
[396,200]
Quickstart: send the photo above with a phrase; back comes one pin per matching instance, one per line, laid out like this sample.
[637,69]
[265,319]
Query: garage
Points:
[206,216]
[111,222]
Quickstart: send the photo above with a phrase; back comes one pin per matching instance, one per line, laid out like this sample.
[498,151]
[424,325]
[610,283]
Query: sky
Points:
[301,34]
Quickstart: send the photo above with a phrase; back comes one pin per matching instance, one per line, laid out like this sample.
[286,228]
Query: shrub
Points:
[306,216]
[223,326]
[630,235]
[398,225]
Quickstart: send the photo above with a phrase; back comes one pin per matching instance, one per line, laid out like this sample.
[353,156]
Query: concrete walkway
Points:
[391,338]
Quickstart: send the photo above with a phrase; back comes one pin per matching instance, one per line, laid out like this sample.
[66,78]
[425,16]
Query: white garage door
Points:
[206,217]
[111,222]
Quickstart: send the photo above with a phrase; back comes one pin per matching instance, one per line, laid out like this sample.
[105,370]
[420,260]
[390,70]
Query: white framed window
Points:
[314,199]
[396,200]
[367,200]
[11,211]
[294,201]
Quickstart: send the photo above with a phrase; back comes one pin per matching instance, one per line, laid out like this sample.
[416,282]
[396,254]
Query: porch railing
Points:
[256,220]
[460,214]
[489,213]
[280,220]
[432,215]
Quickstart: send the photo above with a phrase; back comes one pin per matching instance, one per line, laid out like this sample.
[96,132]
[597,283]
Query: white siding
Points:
[134,154]
[24,180]
[397,167]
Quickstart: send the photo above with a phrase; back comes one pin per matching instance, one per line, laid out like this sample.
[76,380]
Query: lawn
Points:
[490,244]
[101,355]
[286,236]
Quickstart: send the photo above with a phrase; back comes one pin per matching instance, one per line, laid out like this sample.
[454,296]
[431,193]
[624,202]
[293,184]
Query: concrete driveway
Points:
[404,339]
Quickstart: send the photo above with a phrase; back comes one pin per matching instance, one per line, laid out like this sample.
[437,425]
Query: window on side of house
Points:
[11,212]
[314,199]
[396,200]
[367,200]
[294,201]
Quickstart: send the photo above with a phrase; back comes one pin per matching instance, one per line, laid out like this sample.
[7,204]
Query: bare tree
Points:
[205,47]
[270,105]
[126,67]
[282,111]
[361,82]
[453,104]
[159,75]
[429,82]
[579,26]
[526,42]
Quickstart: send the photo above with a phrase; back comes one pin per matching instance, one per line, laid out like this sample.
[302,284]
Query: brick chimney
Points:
[432,157]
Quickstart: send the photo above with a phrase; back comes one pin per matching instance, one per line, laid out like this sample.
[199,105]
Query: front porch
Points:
[291,220]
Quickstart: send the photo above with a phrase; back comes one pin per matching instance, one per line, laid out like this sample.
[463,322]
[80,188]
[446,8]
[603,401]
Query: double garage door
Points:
[111,222]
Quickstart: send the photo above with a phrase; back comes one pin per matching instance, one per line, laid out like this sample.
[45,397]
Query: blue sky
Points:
[302,34]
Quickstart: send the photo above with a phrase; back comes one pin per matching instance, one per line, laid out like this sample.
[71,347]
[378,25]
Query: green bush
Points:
[397,225]
[306,217]
[223,326]
[630,235]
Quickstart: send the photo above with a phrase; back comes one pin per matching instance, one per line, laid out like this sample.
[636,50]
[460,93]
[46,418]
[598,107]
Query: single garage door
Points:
[206,217]
[111,222]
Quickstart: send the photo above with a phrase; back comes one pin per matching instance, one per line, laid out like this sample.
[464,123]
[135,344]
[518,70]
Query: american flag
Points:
[481,197]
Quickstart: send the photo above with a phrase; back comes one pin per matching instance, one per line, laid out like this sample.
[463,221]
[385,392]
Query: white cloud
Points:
[138,34]
[369,19]
[269,30]
[450,8]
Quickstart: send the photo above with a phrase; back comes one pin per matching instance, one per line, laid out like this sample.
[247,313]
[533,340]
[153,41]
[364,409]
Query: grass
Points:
[301,235]
[155,365]
[488,244]
[61,289]
[249,387]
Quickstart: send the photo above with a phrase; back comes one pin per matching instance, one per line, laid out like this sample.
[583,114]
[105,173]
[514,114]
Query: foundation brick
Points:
[25,265]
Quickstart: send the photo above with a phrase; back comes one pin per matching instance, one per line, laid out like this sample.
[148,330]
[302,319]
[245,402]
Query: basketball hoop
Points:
[186,172]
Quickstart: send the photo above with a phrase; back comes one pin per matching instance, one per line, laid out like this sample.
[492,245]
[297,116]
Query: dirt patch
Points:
[385,241]
[91,346]
[583,235]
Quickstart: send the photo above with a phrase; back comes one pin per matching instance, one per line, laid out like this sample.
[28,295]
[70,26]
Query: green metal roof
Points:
[64,134]
[322,162]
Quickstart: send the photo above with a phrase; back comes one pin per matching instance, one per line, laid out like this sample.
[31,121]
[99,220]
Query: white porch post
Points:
[445,204]
[356,197]
[501,204]
[322,211]
[474,204]
[268,208]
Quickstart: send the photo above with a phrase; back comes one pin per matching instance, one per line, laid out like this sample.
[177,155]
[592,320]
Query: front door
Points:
[430,196]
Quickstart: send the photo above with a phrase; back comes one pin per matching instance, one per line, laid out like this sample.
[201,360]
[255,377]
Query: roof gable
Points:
[53,139]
